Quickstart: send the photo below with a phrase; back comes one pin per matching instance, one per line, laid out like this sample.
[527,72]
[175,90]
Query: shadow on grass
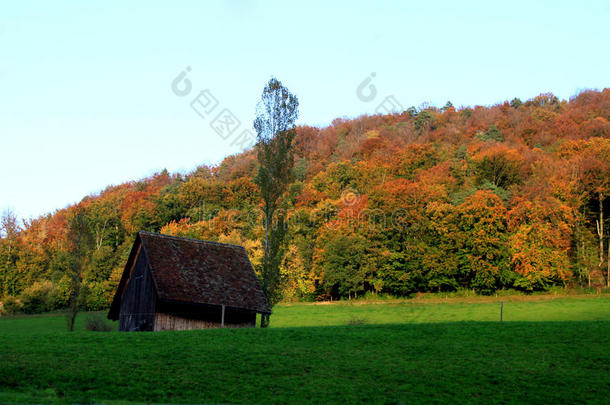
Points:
[484,362]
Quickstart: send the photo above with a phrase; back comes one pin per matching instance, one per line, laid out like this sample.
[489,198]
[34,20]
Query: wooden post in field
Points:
[222,319]
[501,309]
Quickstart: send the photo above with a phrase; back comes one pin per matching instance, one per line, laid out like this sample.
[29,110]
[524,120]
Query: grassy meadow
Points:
[548,349]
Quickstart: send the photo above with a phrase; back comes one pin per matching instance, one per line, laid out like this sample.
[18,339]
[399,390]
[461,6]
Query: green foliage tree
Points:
[169,206]
[411,112]
[275,127]
[345,267]
[516,103]
[9,230]
[492,134]
[399,273]
[466,113]
[300,169]
[82,242]
[422,121]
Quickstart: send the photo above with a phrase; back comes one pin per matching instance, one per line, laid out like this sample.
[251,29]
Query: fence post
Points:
[501,309]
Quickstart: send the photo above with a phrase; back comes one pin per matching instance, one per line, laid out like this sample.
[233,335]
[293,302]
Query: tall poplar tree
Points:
[276,114]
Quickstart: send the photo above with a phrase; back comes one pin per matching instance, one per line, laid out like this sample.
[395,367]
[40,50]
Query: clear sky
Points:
[86,95]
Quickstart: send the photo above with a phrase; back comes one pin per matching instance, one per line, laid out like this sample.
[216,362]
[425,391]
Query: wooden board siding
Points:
[174,322]
[186,316]
[139,298]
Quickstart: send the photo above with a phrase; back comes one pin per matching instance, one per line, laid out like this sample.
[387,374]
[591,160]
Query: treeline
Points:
[432,199]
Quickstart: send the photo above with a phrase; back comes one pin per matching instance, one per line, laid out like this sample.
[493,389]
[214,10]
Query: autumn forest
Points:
[512,196]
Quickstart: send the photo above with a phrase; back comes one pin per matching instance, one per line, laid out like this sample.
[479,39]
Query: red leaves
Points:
[436,188]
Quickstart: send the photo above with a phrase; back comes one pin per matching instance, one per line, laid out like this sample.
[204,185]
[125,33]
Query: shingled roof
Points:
[199,272]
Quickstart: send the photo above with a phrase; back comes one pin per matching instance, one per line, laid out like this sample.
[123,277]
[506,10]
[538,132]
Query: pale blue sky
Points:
[85,89]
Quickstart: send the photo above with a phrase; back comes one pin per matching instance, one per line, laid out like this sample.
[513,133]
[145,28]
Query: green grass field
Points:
[547,350]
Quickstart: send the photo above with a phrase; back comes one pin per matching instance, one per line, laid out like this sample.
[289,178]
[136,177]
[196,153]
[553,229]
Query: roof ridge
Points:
[208,242]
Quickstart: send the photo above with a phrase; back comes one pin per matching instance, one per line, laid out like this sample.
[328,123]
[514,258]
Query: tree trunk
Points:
[99,235]
[264,320]
[267,220]
[600,229]
[72,319]
[583,259]
[74,301]
[584,268]
[608,278]
[580,258]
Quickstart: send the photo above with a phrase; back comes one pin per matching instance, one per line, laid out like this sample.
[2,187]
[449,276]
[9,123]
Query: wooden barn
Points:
[172,283]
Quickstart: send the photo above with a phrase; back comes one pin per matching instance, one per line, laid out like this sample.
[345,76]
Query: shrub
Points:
[97,323]
[10,306]
[95,296]
[39,297]
[357,321]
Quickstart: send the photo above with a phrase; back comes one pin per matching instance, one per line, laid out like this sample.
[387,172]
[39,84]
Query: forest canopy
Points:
[512,196]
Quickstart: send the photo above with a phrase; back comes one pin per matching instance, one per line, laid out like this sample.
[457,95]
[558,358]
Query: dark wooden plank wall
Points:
[139,298]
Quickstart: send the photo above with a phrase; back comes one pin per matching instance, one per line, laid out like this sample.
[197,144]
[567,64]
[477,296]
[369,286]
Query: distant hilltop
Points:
[512,196]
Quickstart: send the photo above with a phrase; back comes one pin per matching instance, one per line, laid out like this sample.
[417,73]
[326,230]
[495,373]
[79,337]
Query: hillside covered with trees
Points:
[512,196]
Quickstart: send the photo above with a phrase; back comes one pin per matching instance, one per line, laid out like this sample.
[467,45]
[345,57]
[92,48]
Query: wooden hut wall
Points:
[138,302]
[184,316]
